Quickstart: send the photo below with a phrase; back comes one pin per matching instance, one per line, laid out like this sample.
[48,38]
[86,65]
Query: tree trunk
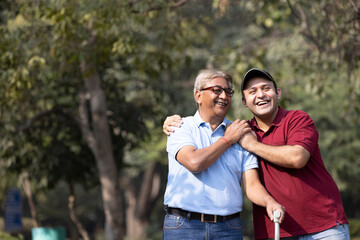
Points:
[73,215]
[27,190]
[140,204]
[99,141]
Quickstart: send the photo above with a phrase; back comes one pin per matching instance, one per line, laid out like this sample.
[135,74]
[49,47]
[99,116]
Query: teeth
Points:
[222,103]
[261,103]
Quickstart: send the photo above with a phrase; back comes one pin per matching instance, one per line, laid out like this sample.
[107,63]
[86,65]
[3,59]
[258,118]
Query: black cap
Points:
[254,72]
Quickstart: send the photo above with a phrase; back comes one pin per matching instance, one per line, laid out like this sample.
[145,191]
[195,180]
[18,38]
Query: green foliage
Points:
[137,47]
[42,47]
[6,236]
[147,54]
[354,227]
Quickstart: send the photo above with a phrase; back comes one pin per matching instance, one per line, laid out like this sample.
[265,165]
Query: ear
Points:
[197,96]
[244,102]
[279,93]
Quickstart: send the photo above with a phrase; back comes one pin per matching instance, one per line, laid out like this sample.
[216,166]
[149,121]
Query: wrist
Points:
[227,141]
[269,200]
[250,145]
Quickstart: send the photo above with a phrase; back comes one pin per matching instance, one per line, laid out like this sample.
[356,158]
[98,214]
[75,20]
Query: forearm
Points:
[257,194]
[197,160]
[289,156]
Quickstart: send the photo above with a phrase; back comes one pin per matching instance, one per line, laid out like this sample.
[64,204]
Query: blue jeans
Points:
[178,228]
[339,232]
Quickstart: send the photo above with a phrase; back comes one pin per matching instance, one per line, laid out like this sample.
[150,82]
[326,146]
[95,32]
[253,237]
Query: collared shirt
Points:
[215,190]
[309,195]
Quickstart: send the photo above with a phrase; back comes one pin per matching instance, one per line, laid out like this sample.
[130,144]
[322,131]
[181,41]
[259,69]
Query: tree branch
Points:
[356,8]
[177,4]
[301,16]
[73,215]
[27,189]
[149,190]
[29,123]
[125,182]
[84,123]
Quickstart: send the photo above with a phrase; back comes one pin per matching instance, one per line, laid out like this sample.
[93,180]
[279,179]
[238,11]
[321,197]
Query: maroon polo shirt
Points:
[310,195]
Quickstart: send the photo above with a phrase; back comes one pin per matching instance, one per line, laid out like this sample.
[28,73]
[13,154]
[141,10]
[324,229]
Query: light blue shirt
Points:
[215,190]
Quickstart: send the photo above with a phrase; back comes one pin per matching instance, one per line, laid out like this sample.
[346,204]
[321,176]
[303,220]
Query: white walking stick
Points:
[277,215]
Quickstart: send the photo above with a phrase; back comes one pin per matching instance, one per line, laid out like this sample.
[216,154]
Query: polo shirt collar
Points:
[198,120]
[277,121]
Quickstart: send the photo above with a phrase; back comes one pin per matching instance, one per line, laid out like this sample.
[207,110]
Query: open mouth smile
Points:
[222,103]
[261,103]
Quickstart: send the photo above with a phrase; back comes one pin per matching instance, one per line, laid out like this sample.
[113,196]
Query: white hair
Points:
[207,75]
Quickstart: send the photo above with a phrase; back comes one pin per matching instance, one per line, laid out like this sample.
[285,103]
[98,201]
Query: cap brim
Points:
[254,72]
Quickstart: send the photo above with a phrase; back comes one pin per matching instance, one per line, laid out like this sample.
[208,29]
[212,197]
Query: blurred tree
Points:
[66,66]
[76,81]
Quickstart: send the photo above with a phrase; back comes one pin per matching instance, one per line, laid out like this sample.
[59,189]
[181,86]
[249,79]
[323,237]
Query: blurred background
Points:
[86,85]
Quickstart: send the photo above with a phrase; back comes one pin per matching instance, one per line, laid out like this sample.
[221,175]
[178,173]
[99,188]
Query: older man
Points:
[203,196]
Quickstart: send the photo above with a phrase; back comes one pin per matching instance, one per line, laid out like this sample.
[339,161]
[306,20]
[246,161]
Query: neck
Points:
[264,122]
[263,125]
[214,121]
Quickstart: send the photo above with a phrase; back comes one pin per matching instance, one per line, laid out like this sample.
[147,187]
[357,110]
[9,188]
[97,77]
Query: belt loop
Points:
[188,216]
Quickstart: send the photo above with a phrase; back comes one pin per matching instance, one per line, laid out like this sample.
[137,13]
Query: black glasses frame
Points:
[218,90]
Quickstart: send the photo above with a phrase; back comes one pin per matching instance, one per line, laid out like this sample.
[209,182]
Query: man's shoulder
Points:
[188,118]
[188,126]
[297,114]
[297,119]
[189,121]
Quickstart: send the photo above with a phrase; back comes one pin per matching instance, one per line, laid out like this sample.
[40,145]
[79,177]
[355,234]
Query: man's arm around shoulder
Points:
[289,156]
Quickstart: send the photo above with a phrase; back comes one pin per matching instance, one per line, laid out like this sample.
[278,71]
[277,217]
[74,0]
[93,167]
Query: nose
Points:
[260,93]
[223,94]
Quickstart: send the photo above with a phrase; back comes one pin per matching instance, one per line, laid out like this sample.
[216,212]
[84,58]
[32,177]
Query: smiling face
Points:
[213,107]
[261,98]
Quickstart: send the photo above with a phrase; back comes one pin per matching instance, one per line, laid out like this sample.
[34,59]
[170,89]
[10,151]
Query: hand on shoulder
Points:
[236,130]
[247,140]
[171,121]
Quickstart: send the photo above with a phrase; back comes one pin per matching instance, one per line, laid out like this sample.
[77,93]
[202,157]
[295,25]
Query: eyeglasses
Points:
[218,90]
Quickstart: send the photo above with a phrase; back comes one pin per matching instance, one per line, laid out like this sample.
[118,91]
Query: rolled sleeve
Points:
[180,138]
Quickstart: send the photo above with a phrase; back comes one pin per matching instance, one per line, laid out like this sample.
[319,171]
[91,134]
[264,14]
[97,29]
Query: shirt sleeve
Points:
[302,131]
[180,138]
[249,161]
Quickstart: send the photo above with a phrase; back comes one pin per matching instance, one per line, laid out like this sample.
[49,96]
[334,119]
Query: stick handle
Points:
[277,215]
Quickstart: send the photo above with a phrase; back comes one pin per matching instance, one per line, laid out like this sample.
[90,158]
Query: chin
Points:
[221,114]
